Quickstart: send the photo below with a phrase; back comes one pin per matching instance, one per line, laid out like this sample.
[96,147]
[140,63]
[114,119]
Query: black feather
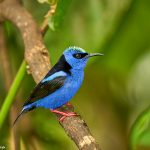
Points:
[23,112]
[61,65]
[48,87]
[44,89]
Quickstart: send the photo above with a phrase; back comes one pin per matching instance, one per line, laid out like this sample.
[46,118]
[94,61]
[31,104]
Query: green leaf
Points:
[145,138]
[138,129]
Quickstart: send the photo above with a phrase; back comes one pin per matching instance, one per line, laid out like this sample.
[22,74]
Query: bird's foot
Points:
[68,115]
[64,114]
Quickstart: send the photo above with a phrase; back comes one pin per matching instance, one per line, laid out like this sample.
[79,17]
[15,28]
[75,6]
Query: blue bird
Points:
[60,84]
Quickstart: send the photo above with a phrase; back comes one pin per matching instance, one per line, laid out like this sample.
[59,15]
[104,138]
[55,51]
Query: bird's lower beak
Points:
[94,54]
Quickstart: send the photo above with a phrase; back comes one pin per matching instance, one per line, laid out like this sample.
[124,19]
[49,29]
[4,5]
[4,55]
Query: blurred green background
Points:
[116,89]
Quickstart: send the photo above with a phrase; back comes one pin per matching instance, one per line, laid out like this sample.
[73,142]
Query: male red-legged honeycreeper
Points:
[61,83]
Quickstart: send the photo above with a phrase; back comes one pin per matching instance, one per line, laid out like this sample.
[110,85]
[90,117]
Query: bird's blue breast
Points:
[65,93]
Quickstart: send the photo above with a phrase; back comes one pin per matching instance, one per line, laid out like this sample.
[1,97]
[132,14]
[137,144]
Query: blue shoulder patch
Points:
[57,74]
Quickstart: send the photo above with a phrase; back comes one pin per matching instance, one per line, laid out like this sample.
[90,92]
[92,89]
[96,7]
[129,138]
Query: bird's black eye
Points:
[79,55]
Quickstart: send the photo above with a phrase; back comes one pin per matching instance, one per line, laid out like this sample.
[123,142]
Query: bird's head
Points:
[78,57]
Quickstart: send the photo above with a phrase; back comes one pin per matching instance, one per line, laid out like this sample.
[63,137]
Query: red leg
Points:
[64,114]
[62,118]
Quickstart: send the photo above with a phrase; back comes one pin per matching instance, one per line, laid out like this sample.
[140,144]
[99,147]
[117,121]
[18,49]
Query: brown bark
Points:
[36,54]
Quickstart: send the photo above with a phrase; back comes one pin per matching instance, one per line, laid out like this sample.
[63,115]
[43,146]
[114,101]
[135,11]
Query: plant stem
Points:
[12,92]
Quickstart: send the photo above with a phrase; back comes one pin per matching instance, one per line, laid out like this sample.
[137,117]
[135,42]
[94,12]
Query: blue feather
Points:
[57,74]
[63,94]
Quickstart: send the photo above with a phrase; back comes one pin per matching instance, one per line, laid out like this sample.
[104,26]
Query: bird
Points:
[60,84]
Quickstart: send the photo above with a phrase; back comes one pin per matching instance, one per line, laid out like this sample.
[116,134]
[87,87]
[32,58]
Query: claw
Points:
[68,115]
[64,114]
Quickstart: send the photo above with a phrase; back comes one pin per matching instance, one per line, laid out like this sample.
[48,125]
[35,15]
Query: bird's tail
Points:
[19,116]
[24,110]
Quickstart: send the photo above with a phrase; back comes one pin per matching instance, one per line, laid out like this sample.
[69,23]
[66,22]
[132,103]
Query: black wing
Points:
[44,89]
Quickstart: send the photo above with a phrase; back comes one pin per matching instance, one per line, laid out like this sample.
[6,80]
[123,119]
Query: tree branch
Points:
[37,58]
[36,54]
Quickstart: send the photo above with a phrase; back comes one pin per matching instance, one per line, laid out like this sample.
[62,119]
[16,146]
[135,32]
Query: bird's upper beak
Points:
[94,54]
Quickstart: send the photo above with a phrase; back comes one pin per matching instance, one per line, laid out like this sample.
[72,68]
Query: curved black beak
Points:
[94,54]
